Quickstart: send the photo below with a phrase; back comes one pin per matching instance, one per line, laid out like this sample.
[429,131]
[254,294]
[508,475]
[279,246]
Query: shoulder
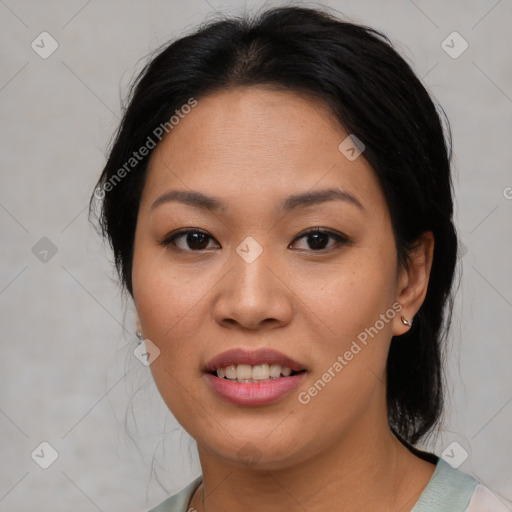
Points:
[483,499]
[179,502]
[451,489]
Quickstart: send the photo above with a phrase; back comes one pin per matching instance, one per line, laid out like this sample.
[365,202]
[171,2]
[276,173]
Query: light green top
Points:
[448,490]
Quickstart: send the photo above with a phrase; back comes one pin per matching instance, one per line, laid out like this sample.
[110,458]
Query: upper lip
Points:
[252,357]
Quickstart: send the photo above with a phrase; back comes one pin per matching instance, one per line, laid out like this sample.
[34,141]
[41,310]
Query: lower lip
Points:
[254,393]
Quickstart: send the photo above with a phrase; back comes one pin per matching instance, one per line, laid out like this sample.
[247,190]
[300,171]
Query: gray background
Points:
[67,372]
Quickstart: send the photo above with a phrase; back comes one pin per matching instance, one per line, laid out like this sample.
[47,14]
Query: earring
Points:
[139,336]
[405,321]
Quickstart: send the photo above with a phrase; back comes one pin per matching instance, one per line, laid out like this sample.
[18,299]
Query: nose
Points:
[254,295]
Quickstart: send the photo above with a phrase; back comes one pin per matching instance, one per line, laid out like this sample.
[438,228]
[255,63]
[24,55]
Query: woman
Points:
[279,202]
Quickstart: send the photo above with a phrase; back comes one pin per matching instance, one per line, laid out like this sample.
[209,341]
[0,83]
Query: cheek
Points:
[168,302]
[163,292]
[354,305]
[352,296]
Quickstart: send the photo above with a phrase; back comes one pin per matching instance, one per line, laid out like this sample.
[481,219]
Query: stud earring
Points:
[405,321]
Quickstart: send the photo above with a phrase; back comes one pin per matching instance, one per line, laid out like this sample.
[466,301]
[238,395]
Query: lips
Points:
[254,394]
[252,357]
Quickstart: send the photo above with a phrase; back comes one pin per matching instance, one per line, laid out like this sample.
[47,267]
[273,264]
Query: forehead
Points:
[253,141]
[252,120]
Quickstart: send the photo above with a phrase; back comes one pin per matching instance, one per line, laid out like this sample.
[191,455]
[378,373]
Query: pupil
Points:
[316,241]
[197,238]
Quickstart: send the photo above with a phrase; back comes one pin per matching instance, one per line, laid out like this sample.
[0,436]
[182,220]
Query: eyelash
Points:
[340,239]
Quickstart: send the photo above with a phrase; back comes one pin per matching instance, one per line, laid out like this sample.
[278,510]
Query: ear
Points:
[413,281]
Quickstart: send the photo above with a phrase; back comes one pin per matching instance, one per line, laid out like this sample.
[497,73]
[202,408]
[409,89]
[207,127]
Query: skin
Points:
[252,148]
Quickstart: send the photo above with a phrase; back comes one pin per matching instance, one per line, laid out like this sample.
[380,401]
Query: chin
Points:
[259,454]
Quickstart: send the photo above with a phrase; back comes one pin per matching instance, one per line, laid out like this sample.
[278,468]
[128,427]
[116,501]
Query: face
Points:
[248,273]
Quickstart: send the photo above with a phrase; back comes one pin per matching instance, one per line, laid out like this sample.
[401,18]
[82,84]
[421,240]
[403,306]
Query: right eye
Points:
[196,240]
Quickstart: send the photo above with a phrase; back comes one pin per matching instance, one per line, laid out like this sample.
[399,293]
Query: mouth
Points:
[251,378]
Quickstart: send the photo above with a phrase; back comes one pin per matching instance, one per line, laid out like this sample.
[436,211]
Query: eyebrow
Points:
[292,202]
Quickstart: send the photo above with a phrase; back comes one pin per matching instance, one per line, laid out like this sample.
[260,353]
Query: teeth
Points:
[275,370]
[248,373]
[243,371]
[230,372]
[260,372]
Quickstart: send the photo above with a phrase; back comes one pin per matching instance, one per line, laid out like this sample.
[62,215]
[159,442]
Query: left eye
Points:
[318,238]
